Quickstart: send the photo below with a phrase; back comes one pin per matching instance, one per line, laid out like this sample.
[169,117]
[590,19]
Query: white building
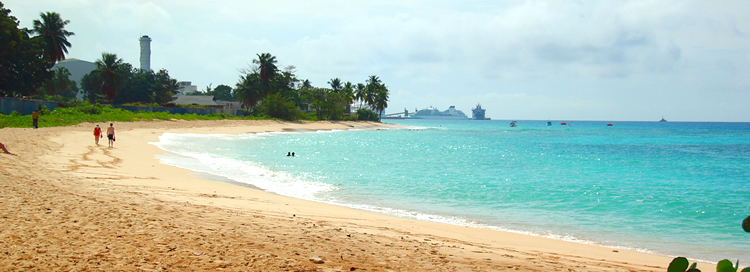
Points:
[77,68]
[186,87]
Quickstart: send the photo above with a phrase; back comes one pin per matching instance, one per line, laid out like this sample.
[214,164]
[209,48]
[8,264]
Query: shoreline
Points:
[195,211]
[403,214]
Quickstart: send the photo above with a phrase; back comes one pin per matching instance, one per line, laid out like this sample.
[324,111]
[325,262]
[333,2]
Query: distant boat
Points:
[433,113]
[478,113]
[662,120]
[609,124]
[549,123]
[513,124]
[563,123]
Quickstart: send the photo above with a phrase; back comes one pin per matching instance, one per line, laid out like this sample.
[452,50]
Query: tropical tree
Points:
[59,82]
[325,103]
[374,80]
[22,68]
[249,91]
[110,73]
[285,82]
[348,96]
[370,93]
[52,29]
[306,84]
[381,99]
[266,69]
[137,85]
[277,106]
[360,92]
[92,88]
[163,88]
[373,87]
[335,85]
[223,92]
[145,86]
[59,86]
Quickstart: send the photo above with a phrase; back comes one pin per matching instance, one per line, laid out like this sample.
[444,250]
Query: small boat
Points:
[513,124]
[609,124]
[563,123]
[549,123]
[662,120]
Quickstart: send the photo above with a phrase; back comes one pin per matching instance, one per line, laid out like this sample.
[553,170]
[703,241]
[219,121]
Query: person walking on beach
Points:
[2,146]
[111,135]
[35,119]
[97,134]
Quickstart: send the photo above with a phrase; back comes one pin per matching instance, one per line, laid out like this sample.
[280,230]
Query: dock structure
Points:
[399,115]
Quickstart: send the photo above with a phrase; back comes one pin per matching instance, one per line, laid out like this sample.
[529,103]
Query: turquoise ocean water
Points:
[671,188]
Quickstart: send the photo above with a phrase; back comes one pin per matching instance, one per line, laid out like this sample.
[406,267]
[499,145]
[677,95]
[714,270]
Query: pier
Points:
[399,115]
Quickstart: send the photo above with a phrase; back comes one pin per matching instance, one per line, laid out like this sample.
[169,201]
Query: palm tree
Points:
[306,85]
[360,92]
[248,90]
[110,74]
[348,95]
[374,80]
[52,29]
[60,80]
[335,85]
[267,69]
[373,86]
[370,94]
[381,99]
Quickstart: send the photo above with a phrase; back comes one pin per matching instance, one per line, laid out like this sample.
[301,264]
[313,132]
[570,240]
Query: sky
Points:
[521,60]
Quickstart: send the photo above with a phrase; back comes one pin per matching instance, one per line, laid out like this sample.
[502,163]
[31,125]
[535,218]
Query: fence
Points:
[26,106]
[180,110]
[170,110]
[23,106]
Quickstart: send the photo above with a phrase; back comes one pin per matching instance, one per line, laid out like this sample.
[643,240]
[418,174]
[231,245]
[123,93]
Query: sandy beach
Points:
[68,204]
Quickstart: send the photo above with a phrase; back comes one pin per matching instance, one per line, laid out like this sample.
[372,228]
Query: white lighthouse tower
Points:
[145,53]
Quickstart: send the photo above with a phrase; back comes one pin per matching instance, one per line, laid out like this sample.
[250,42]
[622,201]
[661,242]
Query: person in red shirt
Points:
[97,134]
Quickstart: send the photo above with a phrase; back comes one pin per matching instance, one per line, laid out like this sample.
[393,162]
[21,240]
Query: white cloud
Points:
[522,59]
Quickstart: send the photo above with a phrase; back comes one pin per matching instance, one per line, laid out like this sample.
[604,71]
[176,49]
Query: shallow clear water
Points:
[667,188]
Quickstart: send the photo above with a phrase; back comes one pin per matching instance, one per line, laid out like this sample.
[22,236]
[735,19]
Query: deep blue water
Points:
[671,188]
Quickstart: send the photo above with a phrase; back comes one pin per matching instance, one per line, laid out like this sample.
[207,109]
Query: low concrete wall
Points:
[23,106]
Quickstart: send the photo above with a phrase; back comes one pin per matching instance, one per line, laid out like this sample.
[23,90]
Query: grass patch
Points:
[97,114]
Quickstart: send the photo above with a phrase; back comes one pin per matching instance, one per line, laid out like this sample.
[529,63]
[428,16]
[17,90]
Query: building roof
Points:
[206,100]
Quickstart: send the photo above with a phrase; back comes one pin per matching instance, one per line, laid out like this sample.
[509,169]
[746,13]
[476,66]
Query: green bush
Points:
[680,264]
[43,110]
[141,104]
[278,106]
[367,115]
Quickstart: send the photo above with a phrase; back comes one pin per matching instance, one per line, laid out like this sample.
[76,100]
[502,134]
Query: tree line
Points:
[25,60]
[263,89]
[25,63]
[267,90]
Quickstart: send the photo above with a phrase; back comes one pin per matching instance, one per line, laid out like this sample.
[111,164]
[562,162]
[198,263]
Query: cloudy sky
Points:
[540,60]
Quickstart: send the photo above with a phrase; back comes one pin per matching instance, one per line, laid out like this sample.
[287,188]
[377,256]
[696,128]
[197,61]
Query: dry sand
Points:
[67,204]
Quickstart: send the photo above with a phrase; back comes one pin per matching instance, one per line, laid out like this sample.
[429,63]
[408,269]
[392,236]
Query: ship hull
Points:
[432,113]
[434,117]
